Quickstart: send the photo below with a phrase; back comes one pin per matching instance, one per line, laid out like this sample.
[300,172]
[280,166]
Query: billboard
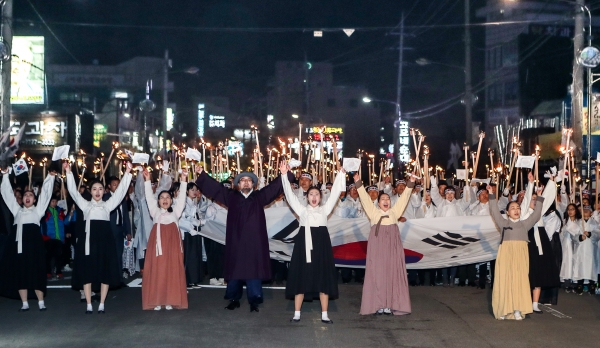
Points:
[27,70]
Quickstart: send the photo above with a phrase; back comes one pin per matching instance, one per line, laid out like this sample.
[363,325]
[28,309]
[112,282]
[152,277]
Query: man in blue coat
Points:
[246,242]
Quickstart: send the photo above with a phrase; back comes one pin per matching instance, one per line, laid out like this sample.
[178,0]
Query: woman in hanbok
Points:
[312,269]
[96,260]
[385,290]
[23,269]
[190,225]
[164,276]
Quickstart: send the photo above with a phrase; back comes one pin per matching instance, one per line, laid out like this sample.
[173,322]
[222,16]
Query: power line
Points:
[52,32]
[271,30]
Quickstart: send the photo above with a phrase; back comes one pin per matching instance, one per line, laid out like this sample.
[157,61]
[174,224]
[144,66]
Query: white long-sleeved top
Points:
[161,216]
[426,211]
[414,203]
[313,216]
[479,209]
[190,218]
[31,215]
[456,207]
[93,210]
[351,207]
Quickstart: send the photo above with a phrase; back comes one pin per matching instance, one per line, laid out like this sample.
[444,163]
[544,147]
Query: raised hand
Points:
[67,167]
[530,177]
[184,174]
[146,175]
[199,169]
[128,167]
[284,167]
[356,177]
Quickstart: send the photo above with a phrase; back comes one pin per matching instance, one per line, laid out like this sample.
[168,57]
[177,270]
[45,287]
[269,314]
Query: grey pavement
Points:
[442,317]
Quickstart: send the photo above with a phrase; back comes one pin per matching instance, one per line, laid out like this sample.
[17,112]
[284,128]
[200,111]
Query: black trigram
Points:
[449,240]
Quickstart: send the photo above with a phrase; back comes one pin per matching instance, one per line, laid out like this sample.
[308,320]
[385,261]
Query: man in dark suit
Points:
[119,219]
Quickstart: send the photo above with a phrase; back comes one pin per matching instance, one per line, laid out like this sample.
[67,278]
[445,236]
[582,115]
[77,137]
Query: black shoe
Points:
[190,286]
[254,308]
[294,320]
[23,309]
[101,311]
[327,321]
[88,312]
[538,312]
[233,305]
[43,309]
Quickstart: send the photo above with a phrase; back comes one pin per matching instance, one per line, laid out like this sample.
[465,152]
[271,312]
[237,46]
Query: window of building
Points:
[331,102]
[353,103]
[511,91]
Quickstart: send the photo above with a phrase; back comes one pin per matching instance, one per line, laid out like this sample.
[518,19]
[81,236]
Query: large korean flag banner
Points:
[27,70]
[428,243]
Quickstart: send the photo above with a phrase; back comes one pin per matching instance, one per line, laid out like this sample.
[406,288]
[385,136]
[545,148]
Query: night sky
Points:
[239,64]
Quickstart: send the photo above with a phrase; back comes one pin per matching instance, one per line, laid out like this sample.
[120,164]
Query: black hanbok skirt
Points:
[26,270]
[543,270]
[101,266]
[192,256]
[550,295]
[319,276]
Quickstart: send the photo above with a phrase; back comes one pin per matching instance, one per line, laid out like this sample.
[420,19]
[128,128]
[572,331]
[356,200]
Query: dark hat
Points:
[250,175]
[442,182]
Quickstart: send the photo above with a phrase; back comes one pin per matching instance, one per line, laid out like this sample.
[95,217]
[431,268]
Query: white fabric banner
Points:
[428,243]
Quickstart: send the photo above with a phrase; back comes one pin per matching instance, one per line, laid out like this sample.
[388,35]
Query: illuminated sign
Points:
[200,120]
[403,141]
[235,146]
[27,70]
[270,122]
[44,133]
[170,119]
[329,132]
[242,133]
[99,133]
[216,121]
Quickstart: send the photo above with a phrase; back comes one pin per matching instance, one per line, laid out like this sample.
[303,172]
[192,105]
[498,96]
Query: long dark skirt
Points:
[101,266]
[550,295]
[192,254]
[319,276]
[215,258]
[543,271]
[26,270]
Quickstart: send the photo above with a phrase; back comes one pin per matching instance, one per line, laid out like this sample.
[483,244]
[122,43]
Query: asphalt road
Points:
[442,317]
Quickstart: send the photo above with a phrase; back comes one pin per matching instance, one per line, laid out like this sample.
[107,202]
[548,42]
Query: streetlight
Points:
[424,61]
[367,99]
[294,115]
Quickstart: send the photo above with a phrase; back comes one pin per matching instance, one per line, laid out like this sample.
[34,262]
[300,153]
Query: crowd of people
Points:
[105,231]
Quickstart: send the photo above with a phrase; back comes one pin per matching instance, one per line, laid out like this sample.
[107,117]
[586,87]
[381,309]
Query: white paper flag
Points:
[20,167]
[461,174]
[525,162]
[294,163]
[61,152]
[351,164]
[485,181]
[193,154]
[141,158]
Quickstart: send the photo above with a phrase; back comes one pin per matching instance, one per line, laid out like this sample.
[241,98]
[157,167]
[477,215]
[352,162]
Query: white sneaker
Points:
[67,269]
[518,315]
[214,281]
[387,311]
[157,308]
[221,281]
[168,307]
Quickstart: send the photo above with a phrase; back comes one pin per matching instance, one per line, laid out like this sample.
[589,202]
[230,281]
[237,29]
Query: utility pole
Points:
[577,96]
[399,93]
[7,11]
[468,87]
[166,65]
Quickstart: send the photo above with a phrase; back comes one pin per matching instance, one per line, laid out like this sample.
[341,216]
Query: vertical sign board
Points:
[27,70]
[403,141]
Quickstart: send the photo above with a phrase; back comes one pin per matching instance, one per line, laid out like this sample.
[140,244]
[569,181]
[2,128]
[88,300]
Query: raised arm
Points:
[365,200]
[495,213]
[528,194]
[549,195]
[150,199]
[180,202]
[211,188]
[291,197]
[81,202]
[339,185]
[537,213]
[8,195]
[45,195]
[115,199]
[435,193]
[402,202]
[164,184]
[270,192]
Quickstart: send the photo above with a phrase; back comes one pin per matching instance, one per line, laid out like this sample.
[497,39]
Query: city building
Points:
[304,92]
